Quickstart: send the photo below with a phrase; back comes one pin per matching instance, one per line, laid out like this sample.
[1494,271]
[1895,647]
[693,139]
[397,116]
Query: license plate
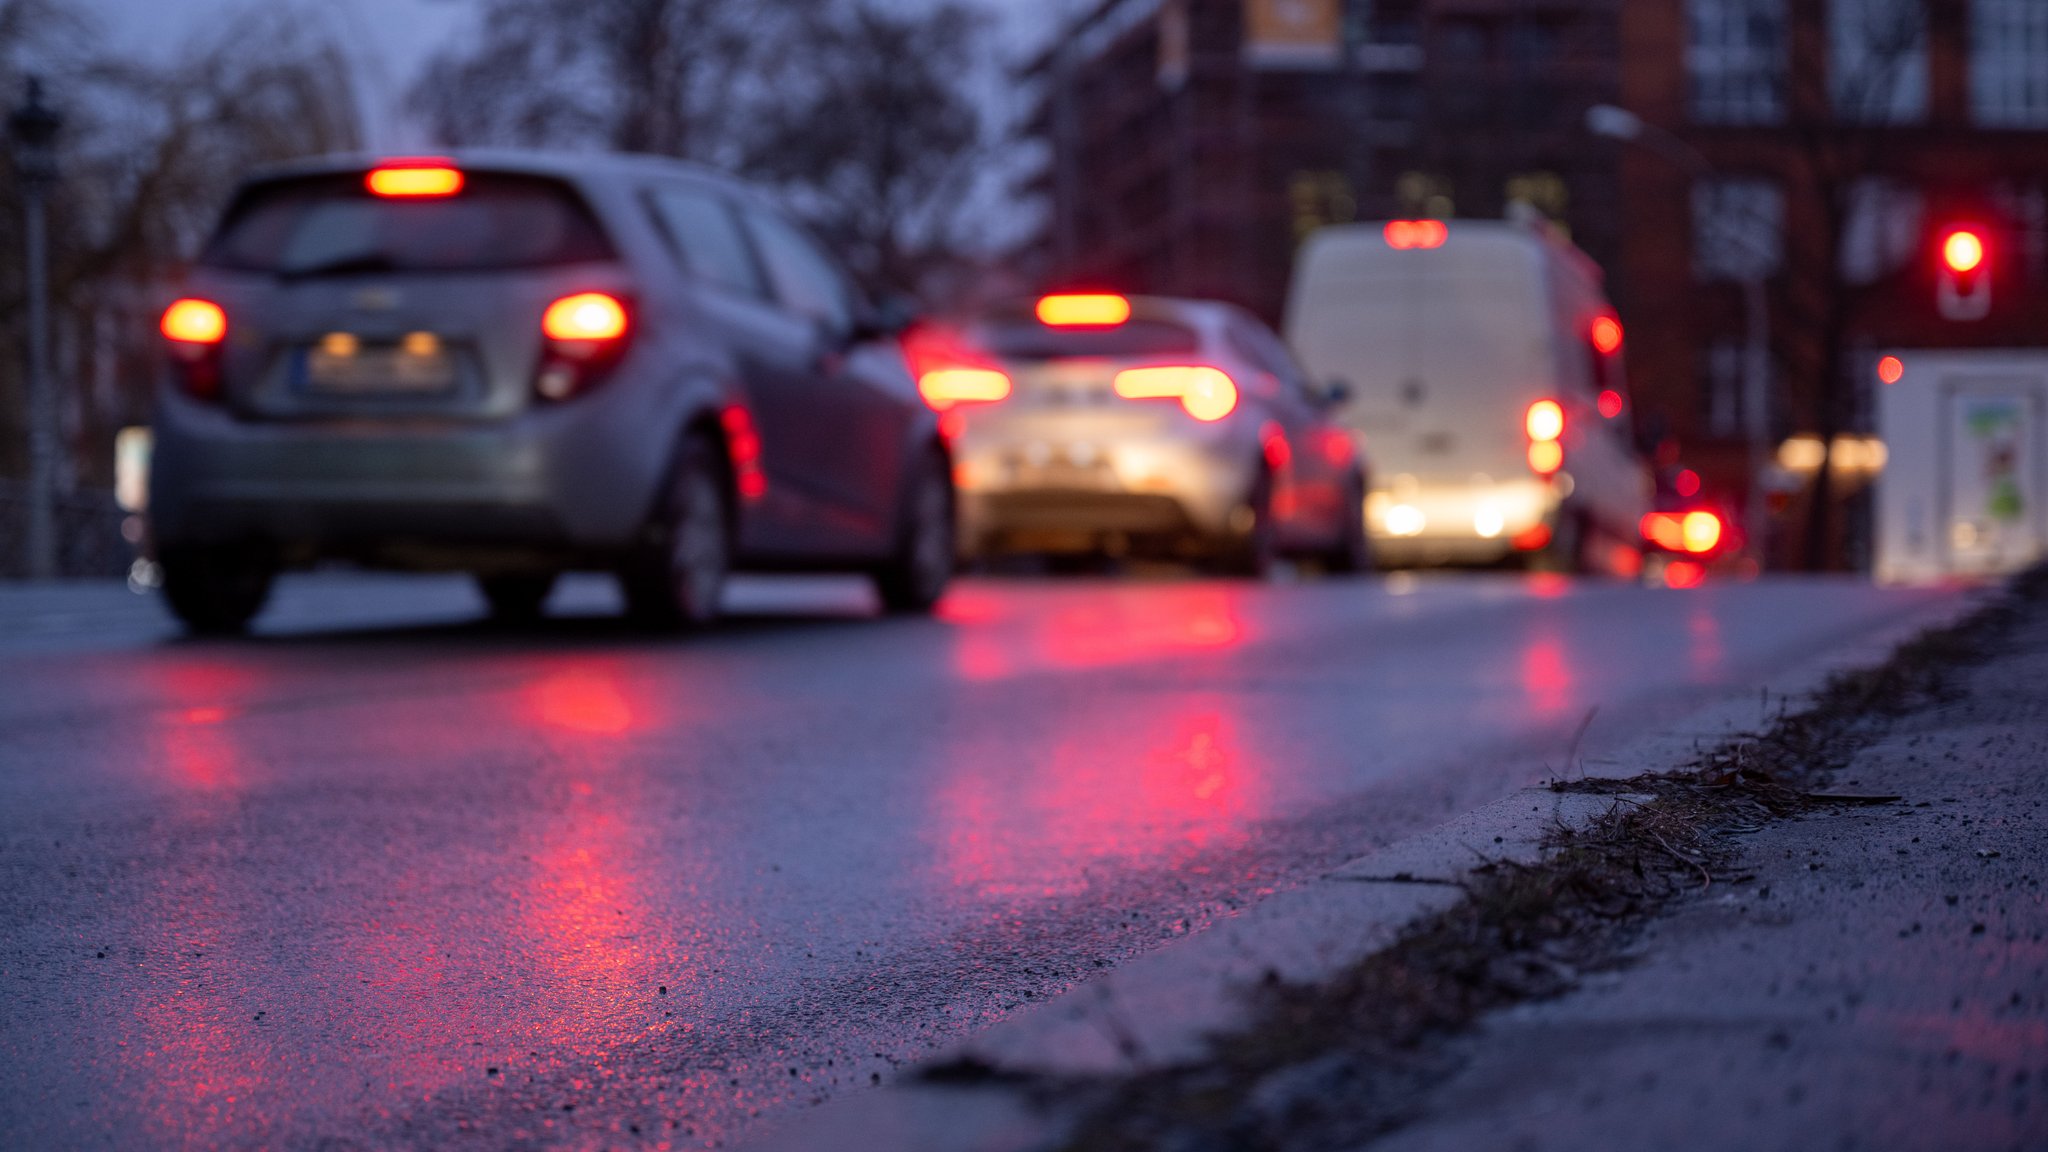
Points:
[374,370]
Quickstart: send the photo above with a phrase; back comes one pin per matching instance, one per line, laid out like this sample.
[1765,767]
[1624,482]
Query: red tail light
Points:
[420,179]
[1409,235]
[196,331]
[942,388]
[1544,423]
[586,334]
[1695,533]
[950,371]
[1607,335]
[1094,310]
[1208,394]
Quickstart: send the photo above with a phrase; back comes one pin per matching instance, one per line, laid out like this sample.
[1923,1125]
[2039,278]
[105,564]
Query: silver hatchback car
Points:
[517,364]
[1141,425]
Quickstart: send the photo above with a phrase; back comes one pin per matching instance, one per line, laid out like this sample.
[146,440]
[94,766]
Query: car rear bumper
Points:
[1470,523]
[1149,491]
[554,482]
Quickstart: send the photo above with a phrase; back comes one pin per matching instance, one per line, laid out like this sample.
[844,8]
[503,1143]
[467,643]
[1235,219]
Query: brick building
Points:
[1803,154]
[1837,141]
[1190,144]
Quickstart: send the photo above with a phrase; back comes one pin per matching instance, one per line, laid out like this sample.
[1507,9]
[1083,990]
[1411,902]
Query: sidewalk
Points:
[1880,983]
[1869,972]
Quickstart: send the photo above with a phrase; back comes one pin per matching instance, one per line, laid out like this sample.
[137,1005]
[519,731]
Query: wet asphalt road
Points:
[382,876]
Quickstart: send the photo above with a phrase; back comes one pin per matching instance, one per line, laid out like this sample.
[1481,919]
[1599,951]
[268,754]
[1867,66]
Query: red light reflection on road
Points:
[1547,676]
[1129,787]
[1104,628]
[582,700]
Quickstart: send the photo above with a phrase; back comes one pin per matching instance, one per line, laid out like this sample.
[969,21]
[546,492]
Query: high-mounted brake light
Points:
[424,179]
[1208,394]
[588,316]
[195,322]
[1607,335]
[1545,421]
[1097,310]
[1411,235]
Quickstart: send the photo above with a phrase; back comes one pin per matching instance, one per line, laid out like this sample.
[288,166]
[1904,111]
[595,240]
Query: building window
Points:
[1736,57]
[1724,368]
[1738,229]
[2009,63]
[1883,230]
[1877,60]
[2025,203]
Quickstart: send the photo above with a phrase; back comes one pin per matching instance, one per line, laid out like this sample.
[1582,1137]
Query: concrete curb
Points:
[1165,1007]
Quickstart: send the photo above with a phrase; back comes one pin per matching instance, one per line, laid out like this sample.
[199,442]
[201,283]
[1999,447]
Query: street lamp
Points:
[1621,124]
[33,129]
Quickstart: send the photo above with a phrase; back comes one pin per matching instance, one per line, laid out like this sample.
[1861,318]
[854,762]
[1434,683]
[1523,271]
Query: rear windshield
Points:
[333,224]
[1030,340]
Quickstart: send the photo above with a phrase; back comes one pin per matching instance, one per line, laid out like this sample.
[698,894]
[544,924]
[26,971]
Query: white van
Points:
[1482,367]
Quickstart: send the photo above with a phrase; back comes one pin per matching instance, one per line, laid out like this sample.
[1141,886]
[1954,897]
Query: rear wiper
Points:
[360,262]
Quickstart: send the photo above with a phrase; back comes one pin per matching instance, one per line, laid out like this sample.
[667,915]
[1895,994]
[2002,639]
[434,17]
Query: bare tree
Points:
[669,77]
[149,154]
[1841,109]
[880,143]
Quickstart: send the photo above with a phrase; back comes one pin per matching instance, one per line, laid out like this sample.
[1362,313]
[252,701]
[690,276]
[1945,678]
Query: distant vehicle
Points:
[517,364]
[1483,366]
[1177,428]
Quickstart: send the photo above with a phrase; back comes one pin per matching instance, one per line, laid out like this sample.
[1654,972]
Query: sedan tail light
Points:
[586,335]
[950,370]
[1208,394]
[196,331]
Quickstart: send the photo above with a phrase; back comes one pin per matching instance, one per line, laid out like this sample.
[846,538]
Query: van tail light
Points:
[196,332]
[1694,533]
[586,336]
[1208,394]
[1544,423]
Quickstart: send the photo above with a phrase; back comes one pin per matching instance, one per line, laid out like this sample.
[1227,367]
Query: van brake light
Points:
[1412,235]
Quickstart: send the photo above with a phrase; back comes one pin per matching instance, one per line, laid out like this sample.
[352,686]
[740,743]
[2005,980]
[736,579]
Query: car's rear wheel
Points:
[926,547]
[678,580]
[216,591]
[1254,544]
[1353,551]
[517,597]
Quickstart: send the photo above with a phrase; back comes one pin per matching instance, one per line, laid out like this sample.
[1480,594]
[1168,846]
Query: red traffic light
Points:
[1963,251]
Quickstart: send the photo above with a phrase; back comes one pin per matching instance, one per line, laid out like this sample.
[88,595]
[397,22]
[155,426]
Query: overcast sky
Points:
[391,39]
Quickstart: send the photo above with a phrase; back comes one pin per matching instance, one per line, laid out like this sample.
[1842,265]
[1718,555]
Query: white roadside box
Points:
[1964,492]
